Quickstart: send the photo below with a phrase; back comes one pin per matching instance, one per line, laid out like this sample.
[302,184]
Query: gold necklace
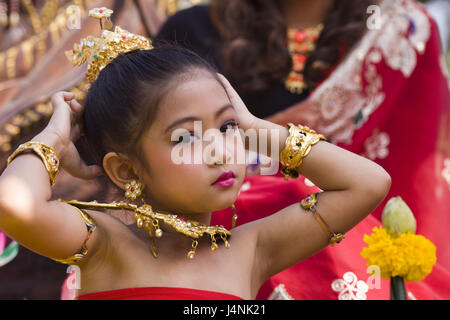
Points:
[300,44]
[149,220]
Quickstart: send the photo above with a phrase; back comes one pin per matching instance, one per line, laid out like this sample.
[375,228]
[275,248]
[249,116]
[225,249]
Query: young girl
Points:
[144,104]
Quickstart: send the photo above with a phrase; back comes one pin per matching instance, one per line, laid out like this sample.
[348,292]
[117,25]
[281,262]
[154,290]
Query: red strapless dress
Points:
[158,293]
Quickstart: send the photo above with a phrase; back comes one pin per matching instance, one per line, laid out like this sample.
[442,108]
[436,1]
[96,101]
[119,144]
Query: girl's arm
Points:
[352,186]
[50,228]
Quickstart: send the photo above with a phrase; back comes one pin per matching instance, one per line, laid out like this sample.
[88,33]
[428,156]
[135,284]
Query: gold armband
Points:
[297,147]
[46,153]
[309,204]
[90,225]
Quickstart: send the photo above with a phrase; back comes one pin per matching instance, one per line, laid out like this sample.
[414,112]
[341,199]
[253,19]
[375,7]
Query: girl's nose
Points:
[220,157]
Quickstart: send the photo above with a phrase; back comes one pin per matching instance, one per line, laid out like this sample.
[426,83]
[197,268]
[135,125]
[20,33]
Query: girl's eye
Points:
[188,137]
[229,125]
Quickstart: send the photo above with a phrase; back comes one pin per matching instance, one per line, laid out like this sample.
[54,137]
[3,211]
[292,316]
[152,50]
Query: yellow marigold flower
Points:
[409,256]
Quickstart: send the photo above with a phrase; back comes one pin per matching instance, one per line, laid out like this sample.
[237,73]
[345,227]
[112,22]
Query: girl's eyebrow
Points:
[191,118]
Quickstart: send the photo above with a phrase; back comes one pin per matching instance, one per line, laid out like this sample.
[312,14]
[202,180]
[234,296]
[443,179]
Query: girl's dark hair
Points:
[122,103]
[255,52]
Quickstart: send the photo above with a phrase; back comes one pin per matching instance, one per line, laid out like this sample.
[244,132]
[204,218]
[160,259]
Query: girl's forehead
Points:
[197,97]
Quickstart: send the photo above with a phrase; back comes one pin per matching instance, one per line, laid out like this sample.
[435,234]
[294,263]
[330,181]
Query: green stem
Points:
[398,291]
[392,290]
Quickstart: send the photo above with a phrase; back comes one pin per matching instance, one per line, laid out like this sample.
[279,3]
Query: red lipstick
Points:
[225,180]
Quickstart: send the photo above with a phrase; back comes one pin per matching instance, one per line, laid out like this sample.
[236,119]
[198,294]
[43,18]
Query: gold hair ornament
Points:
[97,52]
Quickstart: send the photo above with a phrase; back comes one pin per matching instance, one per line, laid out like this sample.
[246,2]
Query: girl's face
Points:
[192,143]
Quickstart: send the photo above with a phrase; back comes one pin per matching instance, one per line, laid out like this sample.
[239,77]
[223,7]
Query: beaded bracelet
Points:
[297,147]
[46,153]
[309,204]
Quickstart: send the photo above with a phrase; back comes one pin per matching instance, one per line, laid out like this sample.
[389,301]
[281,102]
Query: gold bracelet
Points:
[46,153]
[309,204]
[297,147]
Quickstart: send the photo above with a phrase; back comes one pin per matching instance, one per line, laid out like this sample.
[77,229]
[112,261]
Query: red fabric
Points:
[414,115]
[158,293]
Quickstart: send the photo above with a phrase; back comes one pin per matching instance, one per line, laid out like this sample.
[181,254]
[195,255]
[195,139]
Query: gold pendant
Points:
[154,250]
[108,24]
[235,216]
[191,254]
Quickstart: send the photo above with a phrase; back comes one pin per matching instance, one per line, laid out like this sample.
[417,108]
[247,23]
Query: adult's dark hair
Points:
[255,52]
[122,103]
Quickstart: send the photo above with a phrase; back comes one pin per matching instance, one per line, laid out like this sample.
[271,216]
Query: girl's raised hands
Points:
[65,126]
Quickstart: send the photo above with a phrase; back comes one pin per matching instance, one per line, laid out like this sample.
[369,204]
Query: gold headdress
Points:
[97,52]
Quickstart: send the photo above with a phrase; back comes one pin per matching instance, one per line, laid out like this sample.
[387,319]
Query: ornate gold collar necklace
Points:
[149,220]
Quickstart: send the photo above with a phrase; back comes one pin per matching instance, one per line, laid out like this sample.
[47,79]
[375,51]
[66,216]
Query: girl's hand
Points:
[245,118]
[249,121]
[63,130]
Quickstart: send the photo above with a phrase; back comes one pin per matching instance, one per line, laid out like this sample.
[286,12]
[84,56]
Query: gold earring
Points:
[133,190]
[235,216]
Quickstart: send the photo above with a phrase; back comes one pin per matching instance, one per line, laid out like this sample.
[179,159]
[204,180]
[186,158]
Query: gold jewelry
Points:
[46,153]
[99,52]
[149,220]
[235,216]
[90,225]
[133,190]
[191,254]
[154,249]
[11,60]
[297,146]
[310,204]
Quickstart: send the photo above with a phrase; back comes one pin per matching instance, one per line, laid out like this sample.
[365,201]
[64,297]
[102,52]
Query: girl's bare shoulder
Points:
[111,222]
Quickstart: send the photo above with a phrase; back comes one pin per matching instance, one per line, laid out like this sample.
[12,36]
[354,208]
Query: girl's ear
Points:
[118,169]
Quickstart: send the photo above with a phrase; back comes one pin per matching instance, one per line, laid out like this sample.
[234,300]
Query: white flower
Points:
[377,145]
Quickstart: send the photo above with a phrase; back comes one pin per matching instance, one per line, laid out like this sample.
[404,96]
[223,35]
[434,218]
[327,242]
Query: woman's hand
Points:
[245,118]
[62,131]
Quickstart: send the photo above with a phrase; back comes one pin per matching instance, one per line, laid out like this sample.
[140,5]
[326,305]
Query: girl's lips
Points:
[225,183]
[225,180]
